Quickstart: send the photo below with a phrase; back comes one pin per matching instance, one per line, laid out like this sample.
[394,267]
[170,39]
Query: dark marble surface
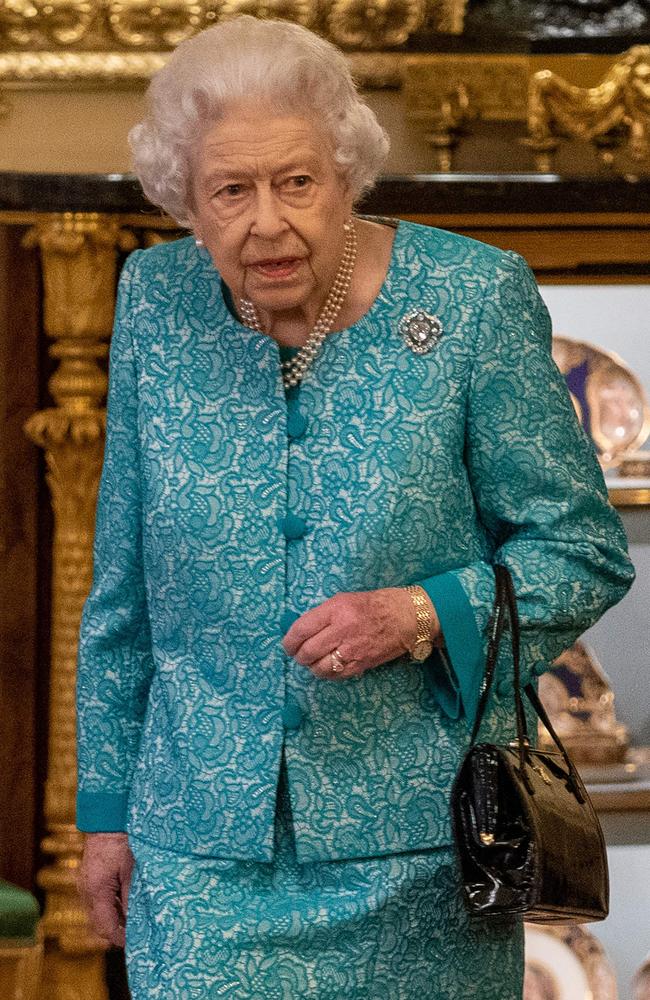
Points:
[492,171]
[454,194]
[607,26]
[561,18]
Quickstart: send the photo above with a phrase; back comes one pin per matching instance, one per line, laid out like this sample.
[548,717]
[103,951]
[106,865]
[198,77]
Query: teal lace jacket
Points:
[226,509]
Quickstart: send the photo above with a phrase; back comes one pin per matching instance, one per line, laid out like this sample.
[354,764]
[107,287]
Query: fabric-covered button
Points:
[504,686]
[292,714]
[292,526]
[296,423]
[287,619]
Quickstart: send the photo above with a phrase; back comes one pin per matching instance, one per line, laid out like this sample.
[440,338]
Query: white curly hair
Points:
[283,64]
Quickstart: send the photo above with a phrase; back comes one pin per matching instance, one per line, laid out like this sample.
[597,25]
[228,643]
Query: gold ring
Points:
[338,662]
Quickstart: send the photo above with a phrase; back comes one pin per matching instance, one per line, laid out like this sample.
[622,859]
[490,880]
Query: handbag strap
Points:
[513,615]
[538,705]
[505,606]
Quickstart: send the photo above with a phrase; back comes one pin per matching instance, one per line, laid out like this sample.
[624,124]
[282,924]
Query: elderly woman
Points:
[323,430]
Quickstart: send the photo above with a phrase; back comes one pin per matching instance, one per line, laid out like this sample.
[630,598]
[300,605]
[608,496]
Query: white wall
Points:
[617,318]
[625,934]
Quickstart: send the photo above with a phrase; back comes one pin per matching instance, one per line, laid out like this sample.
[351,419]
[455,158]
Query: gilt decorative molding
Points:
[371,69]
[494,86]
[126,41]
[79,262]
[358,24]
[30,26]
[79,67]
[615,113]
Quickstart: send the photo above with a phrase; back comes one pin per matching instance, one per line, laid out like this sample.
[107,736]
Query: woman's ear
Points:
[346,194]
[195,228]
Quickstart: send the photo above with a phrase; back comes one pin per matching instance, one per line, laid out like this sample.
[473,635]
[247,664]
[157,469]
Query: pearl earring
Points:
[198,242]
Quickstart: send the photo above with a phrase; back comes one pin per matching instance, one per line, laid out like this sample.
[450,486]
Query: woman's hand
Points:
[368,627]
[104,880]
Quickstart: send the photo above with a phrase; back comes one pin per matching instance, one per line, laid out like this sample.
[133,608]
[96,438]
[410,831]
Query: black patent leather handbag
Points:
[527,836]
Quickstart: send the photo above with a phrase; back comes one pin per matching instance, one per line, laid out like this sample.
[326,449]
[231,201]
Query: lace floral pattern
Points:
[411,467]
[392,927]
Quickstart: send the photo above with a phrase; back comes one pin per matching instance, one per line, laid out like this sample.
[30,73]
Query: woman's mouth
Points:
[284,267]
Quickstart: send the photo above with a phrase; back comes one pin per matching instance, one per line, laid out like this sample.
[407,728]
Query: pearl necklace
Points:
[294,368]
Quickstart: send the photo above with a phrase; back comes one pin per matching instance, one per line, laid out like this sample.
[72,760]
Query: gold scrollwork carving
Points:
[447,16]
[108,67]
[300,11]
[79,250]
[38,22]
[440,87]
[376,70]
[616,111]
[65,22]
[18,21]
[157,25]
[371,69]
[373,24]
[450,117]
[79,258]
[142,24]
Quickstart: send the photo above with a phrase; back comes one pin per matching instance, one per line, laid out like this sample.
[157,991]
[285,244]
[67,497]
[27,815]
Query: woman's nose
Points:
[268,219]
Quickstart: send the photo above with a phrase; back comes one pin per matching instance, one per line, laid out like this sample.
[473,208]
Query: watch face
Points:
[422,649]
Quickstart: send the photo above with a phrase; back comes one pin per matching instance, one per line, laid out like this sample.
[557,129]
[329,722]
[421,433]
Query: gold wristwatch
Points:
[423,645]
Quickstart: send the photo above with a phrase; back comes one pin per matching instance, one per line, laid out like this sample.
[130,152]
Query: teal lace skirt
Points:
[382,928]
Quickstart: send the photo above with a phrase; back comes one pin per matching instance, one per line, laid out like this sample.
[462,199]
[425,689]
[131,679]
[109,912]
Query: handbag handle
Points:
[537,704]
[505,600]
[504,604]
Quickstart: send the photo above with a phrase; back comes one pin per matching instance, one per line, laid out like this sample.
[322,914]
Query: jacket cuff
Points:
[102,812]
[464,646]
[442,680]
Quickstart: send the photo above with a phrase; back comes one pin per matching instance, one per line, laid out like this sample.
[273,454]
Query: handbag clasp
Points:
[542,773]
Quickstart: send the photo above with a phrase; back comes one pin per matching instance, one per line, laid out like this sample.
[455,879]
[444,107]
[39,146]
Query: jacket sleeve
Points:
[540,495]
[114,661]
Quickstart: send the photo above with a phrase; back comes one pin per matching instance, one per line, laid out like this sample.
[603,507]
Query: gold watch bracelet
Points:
[420,600]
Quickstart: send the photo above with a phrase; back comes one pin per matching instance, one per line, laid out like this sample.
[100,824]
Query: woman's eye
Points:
[230,191]
[299,181]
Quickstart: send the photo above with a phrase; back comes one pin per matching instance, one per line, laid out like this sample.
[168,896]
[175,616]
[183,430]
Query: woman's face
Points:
[270,207]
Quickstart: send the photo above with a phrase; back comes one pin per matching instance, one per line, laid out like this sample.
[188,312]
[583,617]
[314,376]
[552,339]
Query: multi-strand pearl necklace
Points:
[294,368]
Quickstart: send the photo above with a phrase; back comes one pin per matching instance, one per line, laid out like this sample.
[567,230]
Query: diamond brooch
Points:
[420,330]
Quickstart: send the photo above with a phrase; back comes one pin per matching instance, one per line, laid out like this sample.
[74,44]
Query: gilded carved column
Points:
[79,259]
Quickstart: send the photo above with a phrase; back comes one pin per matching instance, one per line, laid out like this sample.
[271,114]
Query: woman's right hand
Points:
[104,880]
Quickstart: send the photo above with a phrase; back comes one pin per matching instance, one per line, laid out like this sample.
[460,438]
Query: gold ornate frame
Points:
[127,40]
[108,43]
